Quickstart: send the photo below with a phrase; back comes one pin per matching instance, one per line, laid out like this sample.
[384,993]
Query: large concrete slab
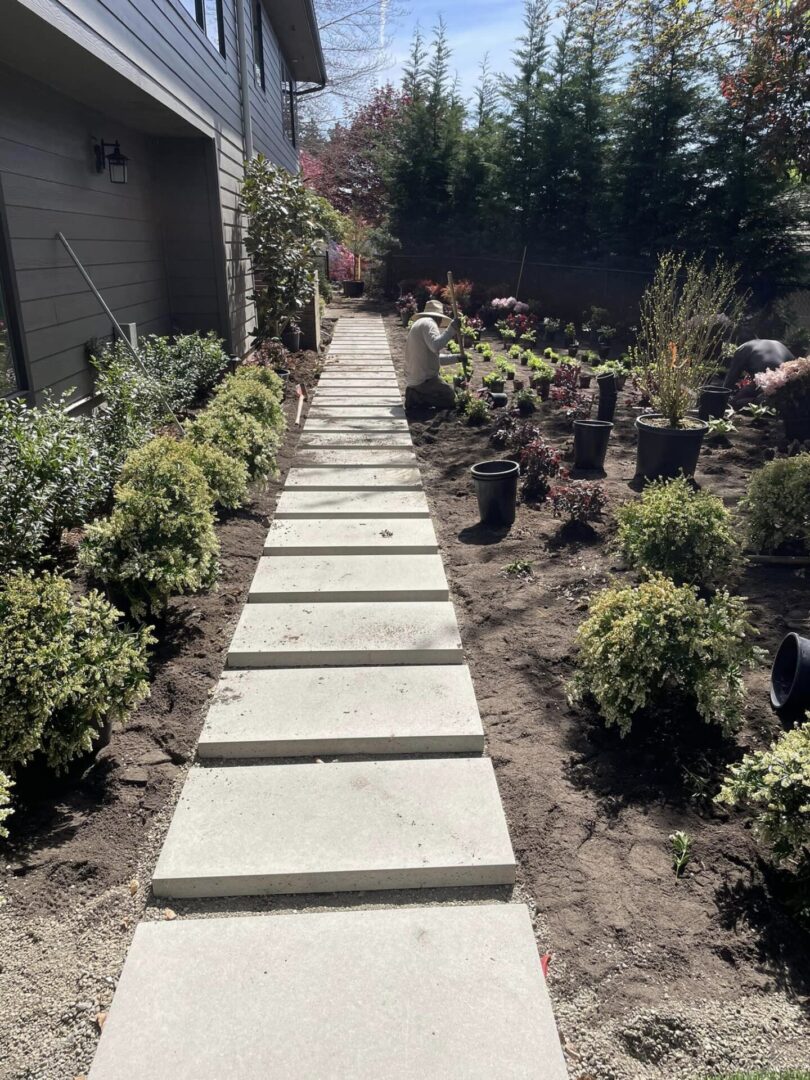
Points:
[344,387]
[363,479]
[351,504]
[379,458]
[345,635]
[342,536]
[297,712]
[331,439]
[252,830]
[332,578]
[439,993]
[354,423]
[353,411]
[360,396]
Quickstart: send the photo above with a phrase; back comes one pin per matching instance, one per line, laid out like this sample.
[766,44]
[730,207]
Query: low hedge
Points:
[66,667]
[778,507]
[159,539]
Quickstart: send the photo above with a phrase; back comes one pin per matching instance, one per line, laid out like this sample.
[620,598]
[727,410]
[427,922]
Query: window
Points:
[208,16]
[258,45]
[288,104]
[10,382]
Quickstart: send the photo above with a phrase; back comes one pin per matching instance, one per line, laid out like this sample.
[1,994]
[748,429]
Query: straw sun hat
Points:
[434,309]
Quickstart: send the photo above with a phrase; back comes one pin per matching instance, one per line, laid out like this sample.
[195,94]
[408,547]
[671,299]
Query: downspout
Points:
[244,80]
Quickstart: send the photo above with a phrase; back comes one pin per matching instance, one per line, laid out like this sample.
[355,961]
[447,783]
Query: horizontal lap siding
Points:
[148,245]
[49,185]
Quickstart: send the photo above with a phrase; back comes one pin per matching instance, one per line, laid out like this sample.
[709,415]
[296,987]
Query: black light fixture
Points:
[115,161]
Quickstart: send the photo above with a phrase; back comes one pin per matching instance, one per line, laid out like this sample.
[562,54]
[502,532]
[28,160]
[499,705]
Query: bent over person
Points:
[423,359]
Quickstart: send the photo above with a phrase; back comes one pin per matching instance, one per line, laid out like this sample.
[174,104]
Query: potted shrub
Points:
[541,375]
[675,331]
[494,382]
[787,389]
[551,327]
[604,336]
[526,402]
[571,339]
[291,338]
[358,237]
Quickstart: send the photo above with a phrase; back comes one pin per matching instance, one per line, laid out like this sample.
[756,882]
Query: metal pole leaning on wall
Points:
[116,324]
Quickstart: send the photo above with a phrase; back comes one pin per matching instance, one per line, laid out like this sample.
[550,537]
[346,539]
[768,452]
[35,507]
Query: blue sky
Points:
[474,27]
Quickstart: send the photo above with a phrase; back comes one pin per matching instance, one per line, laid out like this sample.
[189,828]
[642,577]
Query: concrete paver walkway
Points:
[348,645]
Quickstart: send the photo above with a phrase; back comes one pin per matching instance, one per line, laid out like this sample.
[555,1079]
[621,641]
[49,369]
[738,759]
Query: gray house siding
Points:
[166,249]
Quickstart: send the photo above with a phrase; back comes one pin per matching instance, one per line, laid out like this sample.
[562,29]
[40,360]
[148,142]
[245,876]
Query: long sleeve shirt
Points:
[422,348]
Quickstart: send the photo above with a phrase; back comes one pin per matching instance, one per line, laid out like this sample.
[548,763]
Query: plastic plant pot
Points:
[591,439]
[291,339]
[495,386]
[713,402]
[284,375]
[667,452]
[542,386]
[790,675]
[353,289]
[498,400]
[608,393]
[584,381]
[496,484]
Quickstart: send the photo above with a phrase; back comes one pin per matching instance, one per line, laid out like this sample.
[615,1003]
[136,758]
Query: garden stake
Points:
[451,286]
[301,395]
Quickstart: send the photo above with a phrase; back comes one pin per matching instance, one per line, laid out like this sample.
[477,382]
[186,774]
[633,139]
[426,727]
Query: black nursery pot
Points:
[353,289]
[713,402]
[496,490]
[284,375]
[498,400]
[667,452]
[291,339]
[608,393]
[790,675]
[591,439]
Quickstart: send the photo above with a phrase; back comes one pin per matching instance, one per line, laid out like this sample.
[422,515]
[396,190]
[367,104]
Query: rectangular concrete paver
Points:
[351,536]
[438,993]
[381,458]
[333,578]
[313,439]
[374,425]
[249,830]
[295,712]
[367,479]
[345,635]
[351,504]
[356,411]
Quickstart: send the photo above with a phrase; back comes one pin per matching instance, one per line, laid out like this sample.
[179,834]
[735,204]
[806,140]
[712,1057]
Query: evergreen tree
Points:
[525,95]
[478,200]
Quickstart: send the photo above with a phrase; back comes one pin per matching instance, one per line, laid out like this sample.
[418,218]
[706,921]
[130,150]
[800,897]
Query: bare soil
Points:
[651,976]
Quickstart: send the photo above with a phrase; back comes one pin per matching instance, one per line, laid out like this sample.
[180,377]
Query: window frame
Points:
[11,308]
[259,66]
[195,9]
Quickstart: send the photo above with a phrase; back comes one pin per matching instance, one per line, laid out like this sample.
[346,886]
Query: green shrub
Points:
[6,784]
[778,506]
[159,540]
[50,479]
[264,375]
[476,412]
[65,668]
[774,785]
[659,644]
[253,398]
[226,426]
[227,478]
[683,533]
[130,411]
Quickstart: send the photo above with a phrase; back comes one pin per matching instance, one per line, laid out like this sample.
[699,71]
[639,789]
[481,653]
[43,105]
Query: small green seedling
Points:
[758,413]
[720,428]
[519,568]
[681,844]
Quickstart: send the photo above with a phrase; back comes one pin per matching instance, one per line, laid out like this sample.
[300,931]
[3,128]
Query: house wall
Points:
[140,240]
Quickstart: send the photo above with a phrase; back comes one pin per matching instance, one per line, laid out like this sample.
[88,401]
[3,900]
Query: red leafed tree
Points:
[350,168]
[769,72]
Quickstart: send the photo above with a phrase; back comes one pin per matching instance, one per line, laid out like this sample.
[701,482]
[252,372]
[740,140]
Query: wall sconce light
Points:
[115,161]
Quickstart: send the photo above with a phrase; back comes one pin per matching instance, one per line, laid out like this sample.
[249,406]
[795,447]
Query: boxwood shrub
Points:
[659,644]
[66,666]
[253,398]
[226,426]
[159,540]
[774,785]
[683,533]
[226,476]
[778,507]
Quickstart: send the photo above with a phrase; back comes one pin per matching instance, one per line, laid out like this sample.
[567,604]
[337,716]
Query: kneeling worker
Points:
[423,360]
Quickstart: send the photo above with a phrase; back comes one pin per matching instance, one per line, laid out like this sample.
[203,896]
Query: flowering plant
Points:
[463,290]
[341,263]
[514,434]
[787,387]
[521,323]
[504,303]
[407,305]
[581,501]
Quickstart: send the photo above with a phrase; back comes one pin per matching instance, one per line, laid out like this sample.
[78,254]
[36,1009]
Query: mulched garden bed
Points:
[76,842]
[650,976]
